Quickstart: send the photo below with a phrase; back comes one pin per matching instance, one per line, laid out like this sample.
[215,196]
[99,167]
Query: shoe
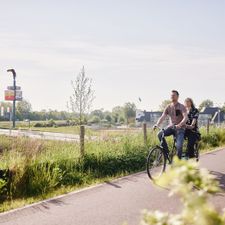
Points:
[185,158]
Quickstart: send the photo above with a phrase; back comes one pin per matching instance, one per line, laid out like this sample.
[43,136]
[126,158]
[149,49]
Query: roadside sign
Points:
[9,95]
[12,88]
[19,95]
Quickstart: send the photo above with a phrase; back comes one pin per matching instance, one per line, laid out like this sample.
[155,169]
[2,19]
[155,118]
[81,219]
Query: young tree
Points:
[129,111]
[81,100]
[206,103]
[23,109]
[117,112]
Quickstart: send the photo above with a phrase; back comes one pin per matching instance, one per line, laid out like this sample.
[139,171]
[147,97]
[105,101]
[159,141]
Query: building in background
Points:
[212,114]
[150,118]
[215,115]
[6,113]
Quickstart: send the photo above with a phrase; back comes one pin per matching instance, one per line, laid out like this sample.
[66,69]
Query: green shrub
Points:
[39,124]
[3,187]
[42,178]
[215,138]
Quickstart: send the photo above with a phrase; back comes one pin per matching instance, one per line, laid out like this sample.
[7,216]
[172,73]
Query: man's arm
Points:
[184,120]
[161,119]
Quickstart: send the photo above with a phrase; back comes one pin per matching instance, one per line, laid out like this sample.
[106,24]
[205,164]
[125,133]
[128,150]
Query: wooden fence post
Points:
[207,129]
[82,137]
[145,133]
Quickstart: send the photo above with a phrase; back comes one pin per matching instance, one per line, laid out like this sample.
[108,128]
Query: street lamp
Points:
[14,99]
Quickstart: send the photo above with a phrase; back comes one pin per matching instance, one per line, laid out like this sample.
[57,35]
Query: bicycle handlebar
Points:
[162,129]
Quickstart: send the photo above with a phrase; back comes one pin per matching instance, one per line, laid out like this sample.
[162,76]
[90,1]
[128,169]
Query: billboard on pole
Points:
[19,96]
[9,95]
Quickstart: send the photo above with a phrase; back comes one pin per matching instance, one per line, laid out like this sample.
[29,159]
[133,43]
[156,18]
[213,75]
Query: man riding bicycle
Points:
[178,118]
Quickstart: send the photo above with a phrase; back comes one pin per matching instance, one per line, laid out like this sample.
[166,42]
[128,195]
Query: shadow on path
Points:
[43,207]
[220,177]
[112,184]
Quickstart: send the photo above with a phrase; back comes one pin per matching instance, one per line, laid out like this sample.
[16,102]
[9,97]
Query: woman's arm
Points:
[192,126]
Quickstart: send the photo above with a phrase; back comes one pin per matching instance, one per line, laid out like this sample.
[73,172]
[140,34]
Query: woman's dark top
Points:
[193,114]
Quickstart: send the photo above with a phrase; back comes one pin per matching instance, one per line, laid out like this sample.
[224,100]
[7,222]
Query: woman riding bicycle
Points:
[159,155]
[191,133]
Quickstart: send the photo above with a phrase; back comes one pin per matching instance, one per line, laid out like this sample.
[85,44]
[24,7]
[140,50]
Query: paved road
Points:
[42,135]
[111,203]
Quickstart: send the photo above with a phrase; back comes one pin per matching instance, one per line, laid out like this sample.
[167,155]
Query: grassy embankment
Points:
[42,169]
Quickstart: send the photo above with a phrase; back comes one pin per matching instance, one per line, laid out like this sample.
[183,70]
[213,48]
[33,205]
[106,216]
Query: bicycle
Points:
[158,157]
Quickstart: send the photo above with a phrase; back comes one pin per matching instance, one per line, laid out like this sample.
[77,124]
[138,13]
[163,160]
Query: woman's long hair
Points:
[191,101]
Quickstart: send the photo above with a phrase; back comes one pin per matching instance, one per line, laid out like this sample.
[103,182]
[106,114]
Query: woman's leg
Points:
[191,144]
[186,134]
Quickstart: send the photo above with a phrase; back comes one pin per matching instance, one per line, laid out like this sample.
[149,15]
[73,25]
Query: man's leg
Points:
[167,132]
[186,136]
[180,141]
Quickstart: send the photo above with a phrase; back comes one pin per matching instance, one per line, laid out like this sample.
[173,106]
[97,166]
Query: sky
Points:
[129,48]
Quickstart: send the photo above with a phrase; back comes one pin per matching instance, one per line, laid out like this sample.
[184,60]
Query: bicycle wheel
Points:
[156,163]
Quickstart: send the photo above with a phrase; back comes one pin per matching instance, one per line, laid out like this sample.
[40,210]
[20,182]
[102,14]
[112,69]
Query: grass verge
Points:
[38,169]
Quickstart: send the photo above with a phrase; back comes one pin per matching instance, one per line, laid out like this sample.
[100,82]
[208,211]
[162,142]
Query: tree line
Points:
[118,115]
[124,114]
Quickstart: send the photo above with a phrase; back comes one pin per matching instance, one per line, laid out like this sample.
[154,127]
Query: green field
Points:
[21,125]
[40,169]
[103,132]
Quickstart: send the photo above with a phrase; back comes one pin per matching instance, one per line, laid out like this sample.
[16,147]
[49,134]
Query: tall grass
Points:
[37,167]
[215,138]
